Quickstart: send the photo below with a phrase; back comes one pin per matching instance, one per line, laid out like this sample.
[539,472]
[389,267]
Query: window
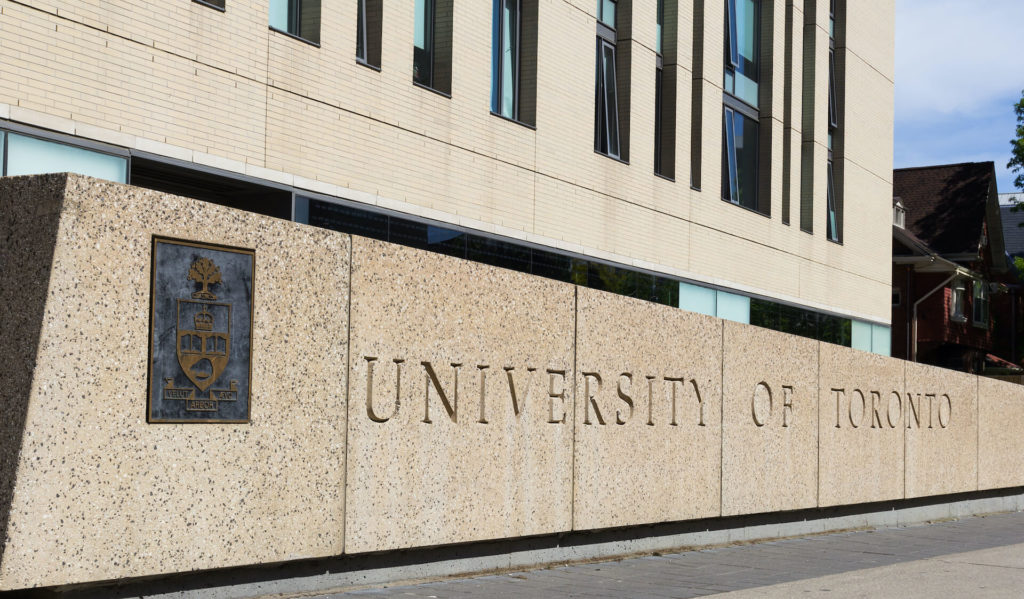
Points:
[899,214]
[956,301]
[218,4]
[32,156]
[740,145]
[611,106]
[368,32]
[300,18]
[432,52]
[739,159]
[513,59]
[665,91]
[897,298]
[506,58]
[832,228]
[980,304]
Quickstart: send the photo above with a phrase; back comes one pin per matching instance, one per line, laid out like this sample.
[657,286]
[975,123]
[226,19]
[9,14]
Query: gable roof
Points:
[946,205]
[1013,232]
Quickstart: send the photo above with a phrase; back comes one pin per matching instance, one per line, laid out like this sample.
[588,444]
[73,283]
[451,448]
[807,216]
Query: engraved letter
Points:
[450,407]
[915,409]
[899,409]
[787,404]
[650,400]
[626,399]
[943,423]
[483,391]
[552,395]
[859,420]
[840,393]
[876,398]
[931,410]
[700,401]
[512,388]
[764,392]
[672,381]
[369,390]
[588,399]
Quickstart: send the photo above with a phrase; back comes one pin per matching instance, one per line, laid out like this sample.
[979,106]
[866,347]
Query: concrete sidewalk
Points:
[975,557]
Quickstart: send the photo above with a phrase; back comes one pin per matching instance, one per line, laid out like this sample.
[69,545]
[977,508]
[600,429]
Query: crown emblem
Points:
[204,320]
[206,273]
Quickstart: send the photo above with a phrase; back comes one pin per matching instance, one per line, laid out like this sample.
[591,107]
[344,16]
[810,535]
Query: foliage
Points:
[1016,164]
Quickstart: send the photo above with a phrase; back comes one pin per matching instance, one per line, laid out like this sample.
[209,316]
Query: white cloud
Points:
[956,56]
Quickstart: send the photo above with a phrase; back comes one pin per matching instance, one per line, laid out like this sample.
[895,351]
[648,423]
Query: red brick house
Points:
[950,304]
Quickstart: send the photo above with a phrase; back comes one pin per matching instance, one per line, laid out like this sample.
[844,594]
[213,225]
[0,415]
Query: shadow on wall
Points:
[28,233]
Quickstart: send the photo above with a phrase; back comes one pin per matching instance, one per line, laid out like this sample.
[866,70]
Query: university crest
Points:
[201,332]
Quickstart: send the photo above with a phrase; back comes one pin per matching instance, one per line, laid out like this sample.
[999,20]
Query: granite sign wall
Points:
[401,398]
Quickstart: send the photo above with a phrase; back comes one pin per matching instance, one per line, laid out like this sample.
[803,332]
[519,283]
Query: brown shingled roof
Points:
[946,204]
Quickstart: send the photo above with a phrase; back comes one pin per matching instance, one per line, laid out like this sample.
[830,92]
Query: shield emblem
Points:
[204,340]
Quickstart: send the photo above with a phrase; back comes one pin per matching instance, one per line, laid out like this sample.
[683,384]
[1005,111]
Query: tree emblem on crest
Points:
[206,273]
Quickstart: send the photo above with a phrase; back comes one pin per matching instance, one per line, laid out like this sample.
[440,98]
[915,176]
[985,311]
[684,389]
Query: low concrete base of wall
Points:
[348,572]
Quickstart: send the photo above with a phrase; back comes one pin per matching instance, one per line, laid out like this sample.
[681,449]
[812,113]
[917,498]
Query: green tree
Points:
[1016,164]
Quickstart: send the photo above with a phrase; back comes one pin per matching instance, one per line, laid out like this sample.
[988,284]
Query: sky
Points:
[959,71]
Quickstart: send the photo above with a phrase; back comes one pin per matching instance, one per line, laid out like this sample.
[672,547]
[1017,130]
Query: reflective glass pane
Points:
[658,40]
[423,42]
[746,161]
[730,184]
[734,307]
[498,253]
[348,220]
[833,112]
[861,335]
[509,57]
[496,51]
[31,156]
[279,14]
[607,12]
[742,49]
[832,225]
[881,339]
[361,30]
[2,157]
[698,299]
[610,102]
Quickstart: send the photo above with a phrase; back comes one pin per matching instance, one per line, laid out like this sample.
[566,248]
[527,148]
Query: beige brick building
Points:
[311,112]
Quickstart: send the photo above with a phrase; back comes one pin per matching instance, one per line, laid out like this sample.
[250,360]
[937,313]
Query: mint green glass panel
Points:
[31,156]
[881,339]
[697,299]
[420,29]
[279,14]
[734,307]
[861,333]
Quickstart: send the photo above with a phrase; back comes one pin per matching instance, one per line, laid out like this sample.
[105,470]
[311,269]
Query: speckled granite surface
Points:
[100,493]
[769,421]
[455,478]
[942,435]
[861,427]
[467,412]
[1000,434]
[636,461]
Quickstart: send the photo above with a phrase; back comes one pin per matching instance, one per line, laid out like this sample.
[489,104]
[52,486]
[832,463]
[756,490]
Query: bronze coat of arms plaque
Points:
[200,332]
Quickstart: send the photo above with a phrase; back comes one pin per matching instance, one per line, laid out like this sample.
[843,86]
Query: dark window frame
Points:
[607,135]
[498,63]
[734,106]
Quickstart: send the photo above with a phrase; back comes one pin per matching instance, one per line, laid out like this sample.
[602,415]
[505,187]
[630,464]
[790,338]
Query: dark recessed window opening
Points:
[369,29]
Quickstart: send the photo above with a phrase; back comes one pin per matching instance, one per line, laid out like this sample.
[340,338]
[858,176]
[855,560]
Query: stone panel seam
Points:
[721,429]
[905,427]
[817,421]
[575,386]
[348,401]
[977,432]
